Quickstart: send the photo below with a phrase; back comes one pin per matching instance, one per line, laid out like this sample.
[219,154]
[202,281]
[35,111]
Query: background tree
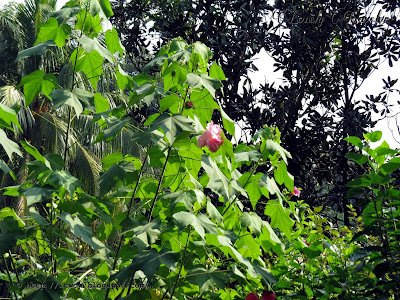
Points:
[325,51]
[48,129]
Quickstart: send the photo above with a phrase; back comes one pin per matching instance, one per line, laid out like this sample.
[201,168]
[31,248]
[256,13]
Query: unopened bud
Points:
[189,104]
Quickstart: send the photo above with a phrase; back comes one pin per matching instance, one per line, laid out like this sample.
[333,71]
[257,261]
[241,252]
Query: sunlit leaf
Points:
[51,30]
[37,82]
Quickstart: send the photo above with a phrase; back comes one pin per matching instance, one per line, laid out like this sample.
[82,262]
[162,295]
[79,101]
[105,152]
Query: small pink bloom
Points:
[266,295]
[211,138]
[296,192]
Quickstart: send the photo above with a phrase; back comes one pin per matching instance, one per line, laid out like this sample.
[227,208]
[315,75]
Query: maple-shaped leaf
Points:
[52,31]
[173,125]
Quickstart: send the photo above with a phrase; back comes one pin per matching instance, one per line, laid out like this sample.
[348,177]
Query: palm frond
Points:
[10,96]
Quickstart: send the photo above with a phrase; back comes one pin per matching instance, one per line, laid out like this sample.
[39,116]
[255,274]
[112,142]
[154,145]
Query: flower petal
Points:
[204,138]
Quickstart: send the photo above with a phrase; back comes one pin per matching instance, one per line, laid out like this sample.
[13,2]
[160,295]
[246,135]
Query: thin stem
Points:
[159,184]
[129,211]
[247,181]
[180,269]
[8,275]
[13,266]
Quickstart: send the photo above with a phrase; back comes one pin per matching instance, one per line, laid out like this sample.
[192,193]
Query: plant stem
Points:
[53,262]
[180,270]
[13,266]
[159,184]
[129,211]
[8,275]
[247,181]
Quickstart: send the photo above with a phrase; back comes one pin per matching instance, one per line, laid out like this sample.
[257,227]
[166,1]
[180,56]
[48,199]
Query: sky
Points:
[372,86]
[59,4]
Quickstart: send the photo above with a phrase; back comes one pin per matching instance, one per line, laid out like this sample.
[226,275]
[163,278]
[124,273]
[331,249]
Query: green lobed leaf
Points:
[246,156]
[356,141]
[273,147]
[113,42]
[270,184]
[64,14]
[268,239]
[248,246]
[188,198]
[37,82]
[9,240]
[66,180]
[207,279]
[8,117]
[204,52]
[199,222]
[37,217]
[9,146]
[106,8]
[391,166]
[62,97]
[90,25]
[89,45]
[101,104]
[37,194]
[253,221]
[149,262]
[109,179]
[94,7]
[82,231]
[172,126]
[39,49]
[36,154]
[216,72]
[373,136]
[5,168]
[282,176]
[229,124]
[279,217]
[211,84]
[251,185]
[218,182]
[34,293]
[171,102]
[89,63]
[51,30]
[157,61]
[213,212]
[357,157]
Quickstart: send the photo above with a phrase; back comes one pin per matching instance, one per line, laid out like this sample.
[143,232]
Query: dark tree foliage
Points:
[325,49]
[8,67]
[234,30]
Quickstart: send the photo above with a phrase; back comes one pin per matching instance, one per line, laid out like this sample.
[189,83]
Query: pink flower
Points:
[266,295]
[296,192]
[211,138]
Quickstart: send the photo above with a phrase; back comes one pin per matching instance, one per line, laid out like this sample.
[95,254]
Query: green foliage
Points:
[180,219]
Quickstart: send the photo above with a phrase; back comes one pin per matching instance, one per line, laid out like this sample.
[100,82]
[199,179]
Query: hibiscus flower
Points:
[211,138]
[296,192]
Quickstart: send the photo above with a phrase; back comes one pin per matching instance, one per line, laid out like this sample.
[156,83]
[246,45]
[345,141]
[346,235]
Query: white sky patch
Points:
[60,3]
